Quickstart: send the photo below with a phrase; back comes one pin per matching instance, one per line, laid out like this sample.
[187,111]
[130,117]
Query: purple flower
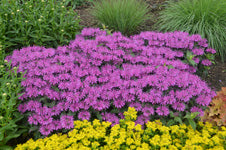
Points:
[67,121]
[98,105]
[148,110]
[97,71]
[142,120]
[203,100]
[33,105]
[210,50]
[121,115]
[196,60]
[45,119]
[33,119]
[206,62]
[197,109]
[198,51]
[84,115]
[56,125]
[63,106]
[136,105]
[54,111]
[162,111]
[119,103]
[178,106]
[74,107]
[22,108]
[46,129]
[110,118]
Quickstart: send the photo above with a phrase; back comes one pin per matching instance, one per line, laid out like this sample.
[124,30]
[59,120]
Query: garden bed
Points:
[147,89]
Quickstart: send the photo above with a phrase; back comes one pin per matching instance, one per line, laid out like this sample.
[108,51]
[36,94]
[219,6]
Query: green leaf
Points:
[14,134]
[194,114]
[178,119]
[192,123]
[188,116]
[192,62]
[171,114]
[1,135]
[114,111]
[99,117]
[171,122]
[5,147]
[170,67]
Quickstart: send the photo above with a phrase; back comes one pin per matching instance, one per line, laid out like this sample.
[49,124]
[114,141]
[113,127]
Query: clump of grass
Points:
[204,17]
[121,15]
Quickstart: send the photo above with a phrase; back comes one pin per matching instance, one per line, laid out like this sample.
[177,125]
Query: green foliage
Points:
[121,15]
[76,3]
[9,92]
[36,22]
[204,17]
[188,119]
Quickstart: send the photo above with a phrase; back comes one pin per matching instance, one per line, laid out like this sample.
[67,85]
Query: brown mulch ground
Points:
[217,74]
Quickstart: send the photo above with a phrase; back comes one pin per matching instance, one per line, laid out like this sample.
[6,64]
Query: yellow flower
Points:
[174,129]
[217,148]
[163,148]
[130,114]
[164,129]
[216,139]
[172,147]
[129,141]
[208,125]
[223,128]
[155,140]
[151,125]
[95,144]
[200,124]
[183,126]
[165,140]
[138,127]
[132,147]
[96,122]
[130,125]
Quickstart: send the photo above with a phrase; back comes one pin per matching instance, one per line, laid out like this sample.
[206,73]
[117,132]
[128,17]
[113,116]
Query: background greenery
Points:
[36,22]
[204,17]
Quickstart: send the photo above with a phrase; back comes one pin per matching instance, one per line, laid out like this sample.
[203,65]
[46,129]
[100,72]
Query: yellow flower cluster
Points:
[127,135]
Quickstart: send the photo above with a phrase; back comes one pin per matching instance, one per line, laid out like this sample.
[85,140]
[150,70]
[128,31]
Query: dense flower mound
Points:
[126,135]
[100,75]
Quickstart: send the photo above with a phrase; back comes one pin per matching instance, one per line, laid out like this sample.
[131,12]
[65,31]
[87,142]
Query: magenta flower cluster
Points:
[99,73]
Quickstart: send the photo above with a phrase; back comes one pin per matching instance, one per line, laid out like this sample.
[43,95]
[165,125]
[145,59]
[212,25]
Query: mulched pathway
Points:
[217,74]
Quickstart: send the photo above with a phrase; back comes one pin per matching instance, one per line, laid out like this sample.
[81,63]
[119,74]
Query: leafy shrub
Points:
[99,76]
[216,113]
[35,22]
[204,17]
[10,118]
[127,135]
[121,15]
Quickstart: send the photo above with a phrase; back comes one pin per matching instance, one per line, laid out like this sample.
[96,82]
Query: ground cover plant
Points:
[204,17]
[36,22]
[100,76]
[121,15]
[127,135]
